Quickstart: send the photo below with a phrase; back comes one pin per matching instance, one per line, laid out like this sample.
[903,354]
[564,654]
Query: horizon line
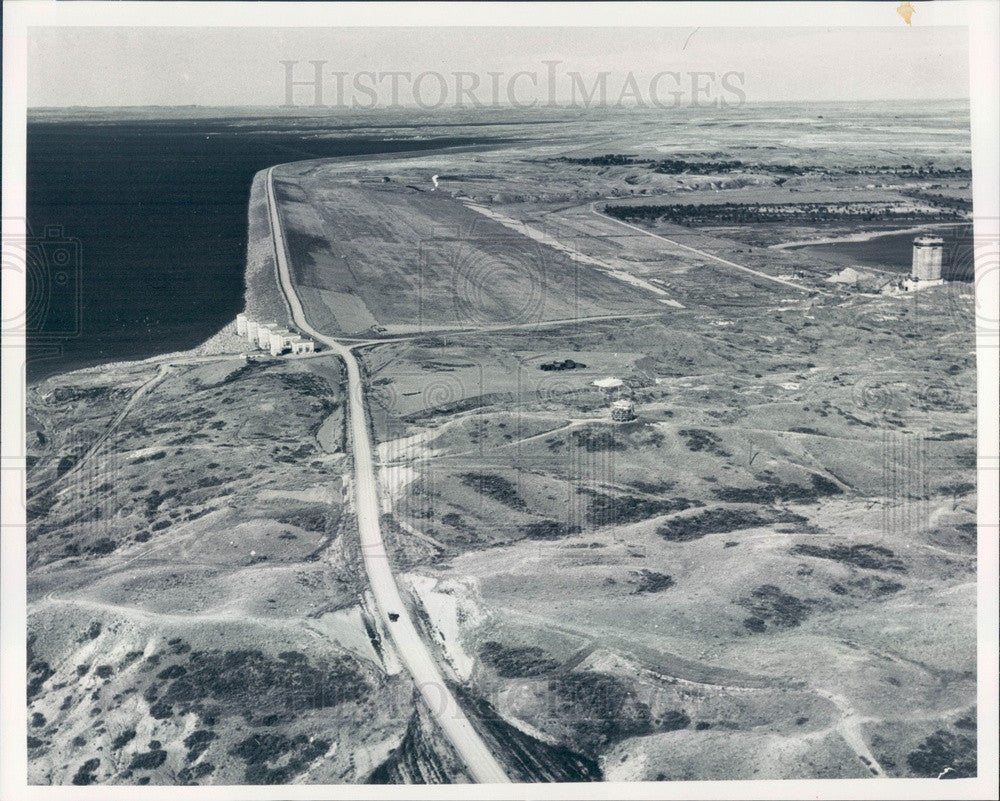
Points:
[506,107]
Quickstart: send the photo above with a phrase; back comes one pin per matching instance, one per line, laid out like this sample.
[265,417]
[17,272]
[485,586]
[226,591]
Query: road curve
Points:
[413,651]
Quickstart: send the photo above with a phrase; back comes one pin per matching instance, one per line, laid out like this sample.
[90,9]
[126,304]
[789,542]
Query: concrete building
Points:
[272,337]
[251,332]
[863,281]
[928,255]
[264,334]
[279,340]
[300,345]
[622,411]
[285,341]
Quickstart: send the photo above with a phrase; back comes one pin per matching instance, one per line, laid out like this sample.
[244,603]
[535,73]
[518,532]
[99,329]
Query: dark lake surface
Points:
[137,228]
[894,252]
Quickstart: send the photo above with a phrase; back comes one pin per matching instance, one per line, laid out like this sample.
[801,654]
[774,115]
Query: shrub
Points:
[310,518]
[594,440]
[606,510]
[148,760]
[103,546]
[967,722]
[944,749]
[773,491]
[650,581]
[698,439]
[548,530]
[65,465]
[161,710]
[870,557]
[515,661]
[202,770]
[600,707]
[85,774]
[252,684]
[197,742]
[672,720]
[260,749]
[42,672]
[711,521]
[123,739]
[495,487]
[770,605]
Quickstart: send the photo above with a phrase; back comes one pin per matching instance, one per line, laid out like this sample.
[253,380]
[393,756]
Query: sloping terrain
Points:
[193,591]
[767,574]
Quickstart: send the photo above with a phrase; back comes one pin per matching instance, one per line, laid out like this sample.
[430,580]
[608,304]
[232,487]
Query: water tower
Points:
[928,254]
[622,411]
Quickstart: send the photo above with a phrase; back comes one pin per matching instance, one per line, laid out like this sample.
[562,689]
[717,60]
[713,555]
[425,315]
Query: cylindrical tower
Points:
[622,411]
[928,254]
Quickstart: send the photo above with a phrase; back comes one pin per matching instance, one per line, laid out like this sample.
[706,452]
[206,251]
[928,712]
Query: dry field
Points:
[410,260]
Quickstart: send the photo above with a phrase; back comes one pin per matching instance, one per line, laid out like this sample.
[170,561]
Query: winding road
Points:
[413,651]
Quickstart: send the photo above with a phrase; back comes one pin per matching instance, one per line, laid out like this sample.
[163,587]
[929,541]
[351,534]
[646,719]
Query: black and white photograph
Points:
[561,400]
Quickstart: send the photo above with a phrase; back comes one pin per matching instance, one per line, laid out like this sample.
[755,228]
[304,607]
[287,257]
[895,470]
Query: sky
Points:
[135,66]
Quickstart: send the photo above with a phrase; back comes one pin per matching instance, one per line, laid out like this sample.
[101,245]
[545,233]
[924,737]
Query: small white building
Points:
[915,285]
[241,324]
[300,345]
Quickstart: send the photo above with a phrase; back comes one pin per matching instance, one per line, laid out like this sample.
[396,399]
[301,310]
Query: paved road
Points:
[413,651]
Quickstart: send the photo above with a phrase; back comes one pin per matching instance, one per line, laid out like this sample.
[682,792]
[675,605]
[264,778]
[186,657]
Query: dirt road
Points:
[413,651]
[706,254]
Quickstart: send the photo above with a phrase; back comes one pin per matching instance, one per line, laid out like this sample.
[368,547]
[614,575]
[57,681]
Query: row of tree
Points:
[709,213]
[679,167]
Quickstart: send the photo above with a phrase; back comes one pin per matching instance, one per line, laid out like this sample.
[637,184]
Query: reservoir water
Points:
[137,227]
[894,252]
